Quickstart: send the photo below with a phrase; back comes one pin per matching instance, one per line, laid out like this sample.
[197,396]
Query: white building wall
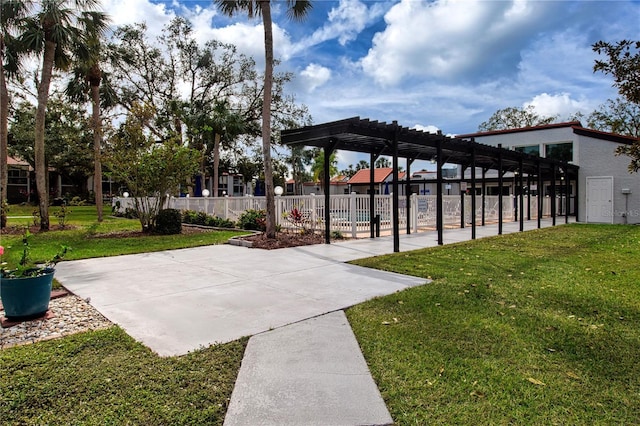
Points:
[597,158]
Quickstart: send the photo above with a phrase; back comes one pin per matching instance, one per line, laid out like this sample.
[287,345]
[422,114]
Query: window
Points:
[17,176]
[530,149]
[238,186]
[559,151]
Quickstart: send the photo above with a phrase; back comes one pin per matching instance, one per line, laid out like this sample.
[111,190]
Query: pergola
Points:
[379,138]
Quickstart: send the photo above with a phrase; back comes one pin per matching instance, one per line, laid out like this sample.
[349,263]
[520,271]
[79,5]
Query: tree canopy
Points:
[623,63]
[150,169]
[514,118]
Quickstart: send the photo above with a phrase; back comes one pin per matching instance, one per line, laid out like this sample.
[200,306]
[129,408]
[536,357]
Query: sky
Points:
[432,65]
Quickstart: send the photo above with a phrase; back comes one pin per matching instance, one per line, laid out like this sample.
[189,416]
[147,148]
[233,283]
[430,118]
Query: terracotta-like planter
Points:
[26,297]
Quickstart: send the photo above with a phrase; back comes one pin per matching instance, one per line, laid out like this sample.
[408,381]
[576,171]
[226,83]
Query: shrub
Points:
[253,220]
[337,235]
[201,218]
[189,216]
[193,217]
[218,222]
[77,201]
[169,222]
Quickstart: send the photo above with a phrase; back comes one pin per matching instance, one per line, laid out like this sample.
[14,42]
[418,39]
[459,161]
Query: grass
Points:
[541,327]
[105,377]
[535,328]
[85,236]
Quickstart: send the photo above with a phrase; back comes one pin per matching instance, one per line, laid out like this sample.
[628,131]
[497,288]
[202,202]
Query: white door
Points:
[600,199]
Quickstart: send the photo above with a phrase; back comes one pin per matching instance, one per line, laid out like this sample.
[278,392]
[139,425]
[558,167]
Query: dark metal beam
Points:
[500,184]
[396,195]
[521,197]
[473,194]
[462,200]
[553,196]
[439,204]
[327,191]
[372,196]
[407,193]
[567,197]
[540,195]
[484,195]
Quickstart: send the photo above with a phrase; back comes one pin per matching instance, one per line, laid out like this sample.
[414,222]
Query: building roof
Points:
[16,161]
[576,127]
[336,180]
[379,176]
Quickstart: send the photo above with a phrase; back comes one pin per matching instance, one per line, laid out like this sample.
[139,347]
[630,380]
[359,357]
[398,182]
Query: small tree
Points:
[616,116]
[151,170]
[514,118]
[623,63]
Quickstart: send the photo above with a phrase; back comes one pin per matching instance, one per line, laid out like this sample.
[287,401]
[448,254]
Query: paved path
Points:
[180,300]
[296,367]
[309,373]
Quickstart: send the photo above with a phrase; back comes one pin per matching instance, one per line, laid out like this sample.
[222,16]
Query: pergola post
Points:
[473,194]
[407,193]
[396,196]
[575,200]
[327,189]
[462,199]
[567,200]
[521,197]
[540,194]
[528,196]
[500,183]
[553,195]
[484,194]
[439,203]
[372,197]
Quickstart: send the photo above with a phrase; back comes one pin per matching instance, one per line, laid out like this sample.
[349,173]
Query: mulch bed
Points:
[283,240]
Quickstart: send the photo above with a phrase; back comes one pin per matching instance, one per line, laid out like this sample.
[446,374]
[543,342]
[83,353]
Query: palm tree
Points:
[52,32]
[296,10]
[11,13]
[317,168]
[87,70]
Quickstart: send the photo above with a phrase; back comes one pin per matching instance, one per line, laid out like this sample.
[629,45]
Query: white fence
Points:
[349,214]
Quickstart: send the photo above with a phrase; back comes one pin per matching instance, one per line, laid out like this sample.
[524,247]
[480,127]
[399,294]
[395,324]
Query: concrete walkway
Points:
[302,367]
[309,373]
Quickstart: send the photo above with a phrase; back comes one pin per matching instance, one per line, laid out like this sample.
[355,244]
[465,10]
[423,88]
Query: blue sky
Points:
[432,64]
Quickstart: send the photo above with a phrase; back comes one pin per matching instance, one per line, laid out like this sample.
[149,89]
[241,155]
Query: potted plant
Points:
[25,291]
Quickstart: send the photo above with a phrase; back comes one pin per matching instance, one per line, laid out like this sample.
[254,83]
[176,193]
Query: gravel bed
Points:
[71,314]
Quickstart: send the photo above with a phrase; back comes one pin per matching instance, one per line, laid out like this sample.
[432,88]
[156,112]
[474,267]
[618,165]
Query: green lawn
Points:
[106,378]
[535,328]
[541,327]
[86,237]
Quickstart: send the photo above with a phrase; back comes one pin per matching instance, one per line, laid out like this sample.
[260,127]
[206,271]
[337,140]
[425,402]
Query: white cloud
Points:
[127,12]
[429,128]
[561,105]
[314,76]
[345,22]
[447,37]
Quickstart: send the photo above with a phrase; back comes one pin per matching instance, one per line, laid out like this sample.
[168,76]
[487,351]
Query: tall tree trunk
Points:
[97,144]
[41,167]
[216,163]
[4,126]
[265,6]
